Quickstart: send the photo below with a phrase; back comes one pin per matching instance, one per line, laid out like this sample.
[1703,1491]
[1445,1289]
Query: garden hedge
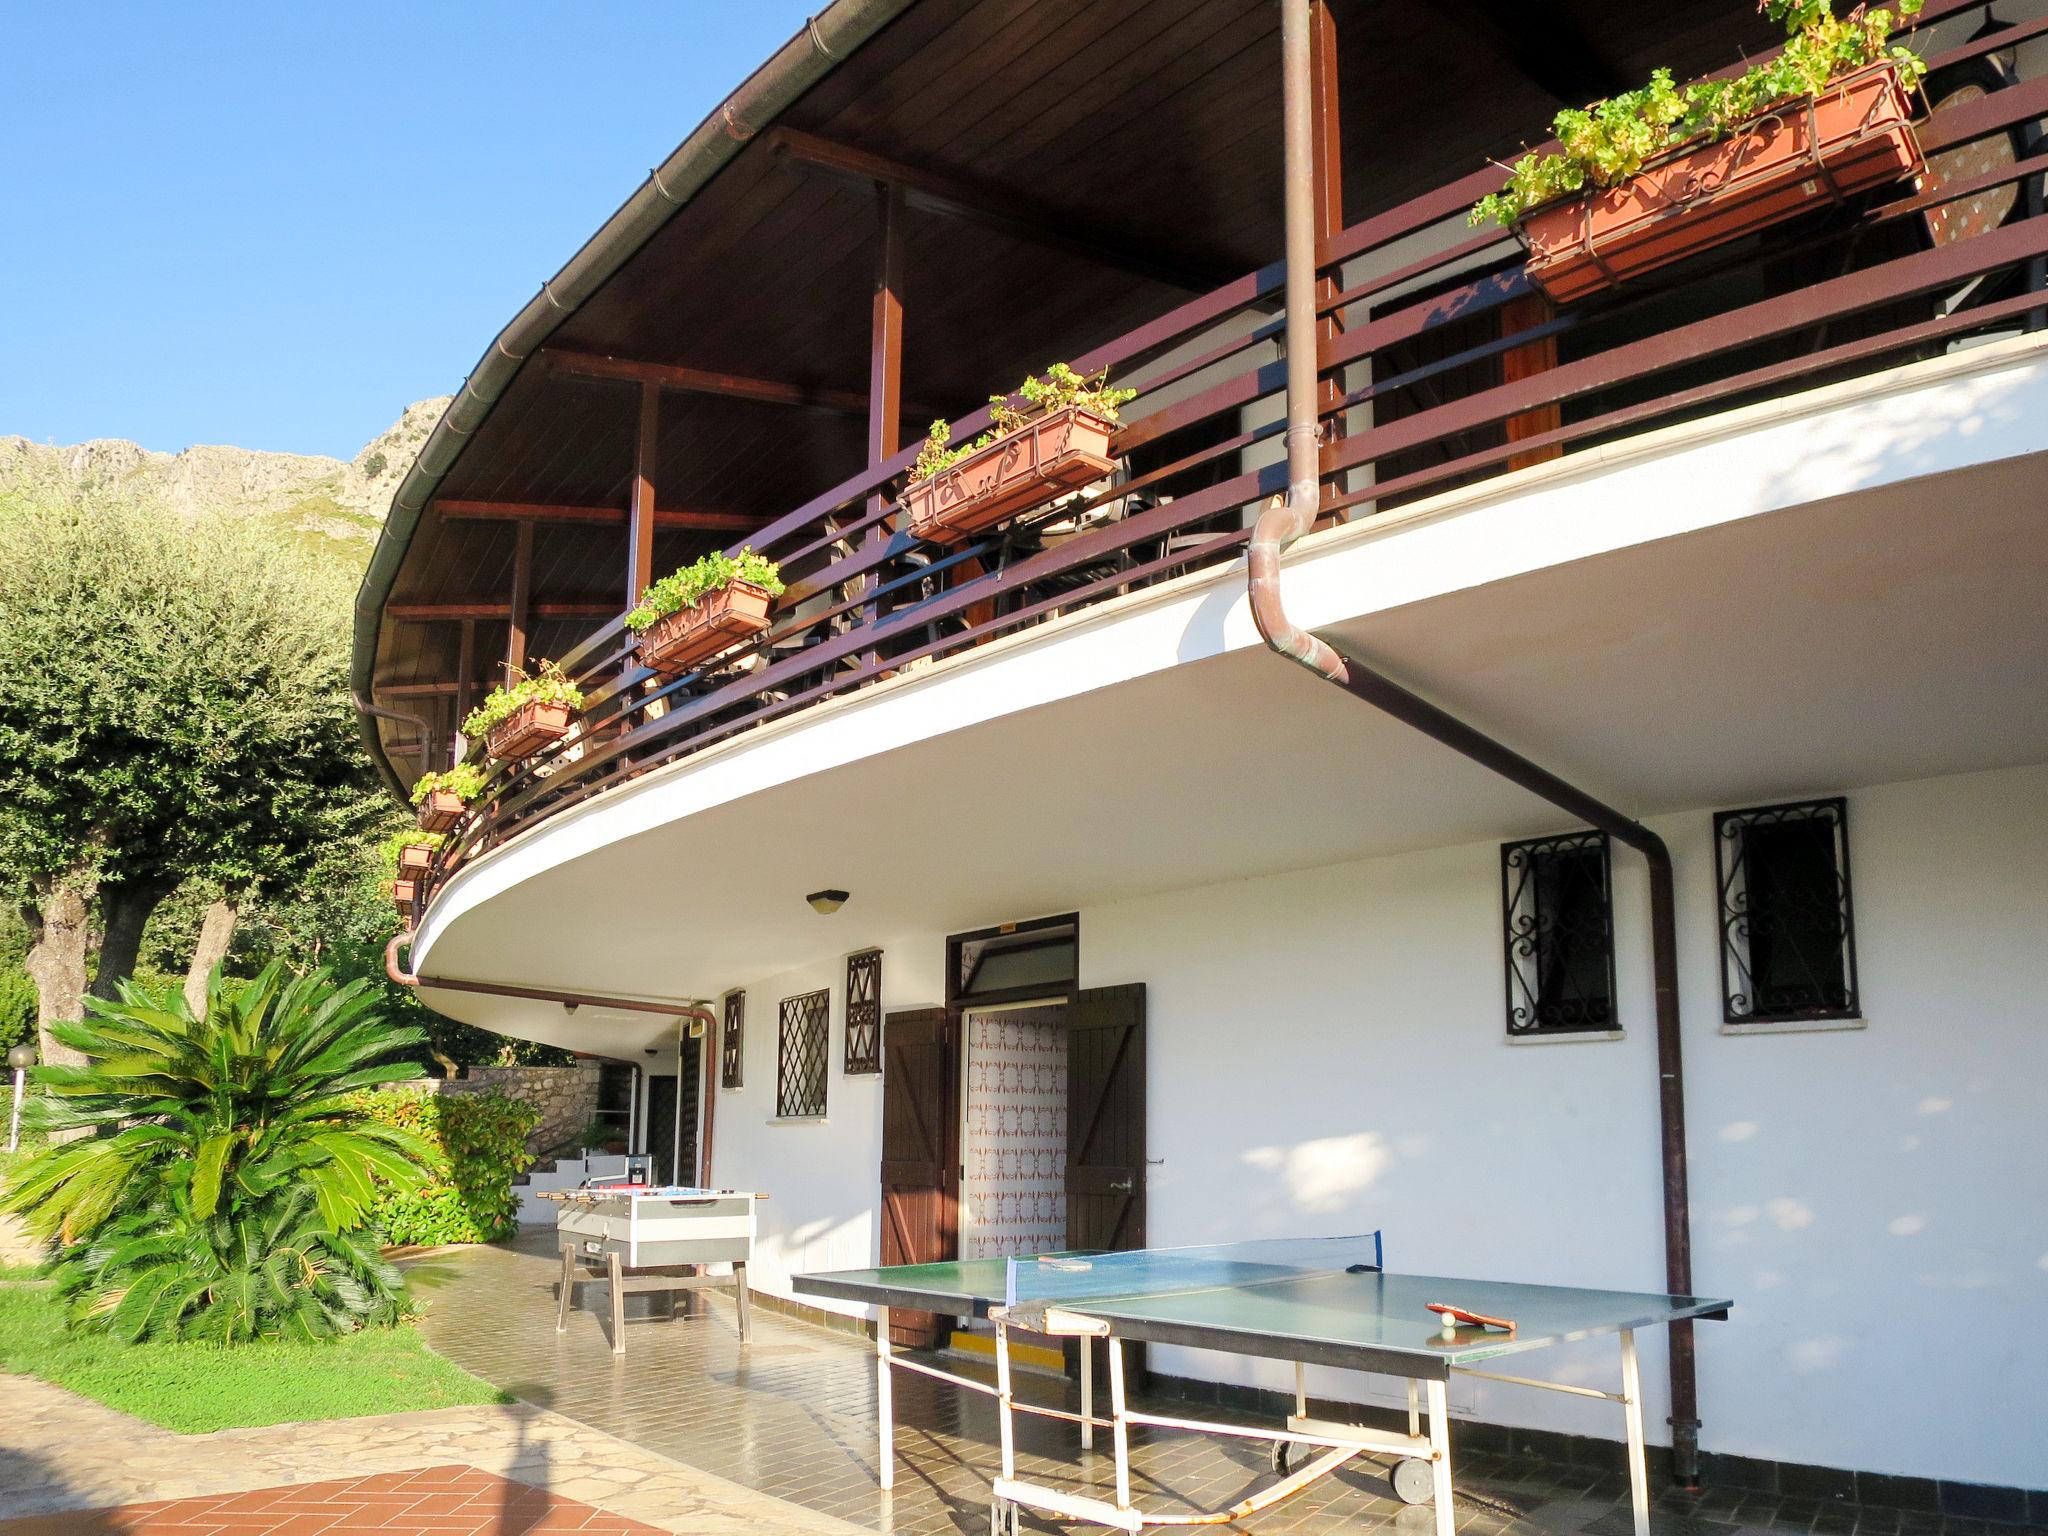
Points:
[480,1146]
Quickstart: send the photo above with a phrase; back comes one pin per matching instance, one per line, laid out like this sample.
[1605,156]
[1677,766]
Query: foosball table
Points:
[641,1240]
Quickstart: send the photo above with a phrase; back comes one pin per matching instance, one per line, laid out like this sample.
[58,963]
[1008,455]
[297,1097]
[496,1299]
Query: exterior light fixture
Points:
[825,903]
[570,1007]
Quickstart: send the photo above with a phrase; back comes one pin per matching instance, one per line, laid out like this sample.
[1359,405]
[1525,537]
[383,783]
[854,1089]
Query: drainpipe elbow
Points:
[399,977]
[1284,521]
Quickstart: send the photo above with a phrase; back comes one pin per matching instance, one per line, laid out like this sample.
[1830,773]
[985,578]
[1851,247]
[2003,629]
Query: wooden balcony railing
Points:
[1439,367]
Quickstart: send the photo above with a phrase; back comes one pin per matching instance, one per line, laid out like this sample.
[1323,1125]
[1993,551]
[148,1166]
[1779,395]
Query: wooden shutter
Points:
[920,1152]
[1106,1118]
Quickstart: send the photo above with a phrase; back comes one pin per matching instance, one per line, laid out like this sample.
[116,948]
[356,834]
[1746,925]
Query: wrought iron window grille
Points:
[864,1013]
[1557,906]
[801,1057]
[1788,929]
[732,1042]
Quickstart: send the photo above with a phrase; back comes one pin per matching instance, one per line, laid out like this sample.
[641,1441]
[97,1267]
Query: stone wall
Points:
[565,1096]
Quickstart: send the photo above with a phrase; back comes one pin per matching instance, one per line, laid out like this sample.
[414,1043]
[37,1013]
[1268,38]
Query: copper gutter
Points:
[677,1011]
[1285,521]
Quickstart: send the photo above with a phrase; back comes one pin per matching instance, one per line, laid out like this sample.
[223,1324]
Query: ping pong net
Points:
[1035,1281]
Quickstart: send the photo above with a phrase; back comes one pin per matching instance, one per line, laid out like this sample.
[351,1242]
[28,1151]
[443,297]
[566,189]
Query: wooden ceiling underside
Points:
[1146,126]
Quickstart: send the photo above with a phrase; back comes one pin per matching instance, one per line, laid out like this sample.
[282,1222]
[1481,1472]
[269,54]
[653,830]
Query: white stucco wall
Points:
[1876,1201]
[1327,1055]
[821,1176]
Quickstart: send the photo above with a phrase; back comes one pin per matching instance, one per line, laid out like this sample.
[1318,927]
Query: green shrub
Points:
[17,1009]
[697,580]
[549,686]
[374,465]
[478,1145]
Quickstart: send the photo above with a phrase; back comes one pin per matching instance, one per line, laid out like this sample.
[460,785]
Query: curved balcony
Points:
[1440,368]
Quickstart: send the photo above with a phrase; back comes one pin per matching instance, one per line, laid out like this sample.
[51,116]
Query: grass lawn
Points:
[193,1388]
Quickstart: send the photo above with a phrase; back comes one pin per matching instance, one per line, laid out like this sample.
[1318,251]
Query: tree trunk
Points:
[62,933]
[215,934]
[125,910]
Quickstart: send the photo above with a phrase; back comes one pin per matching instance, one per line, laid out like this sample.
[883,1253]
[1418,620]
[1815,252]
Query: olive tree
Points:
[173,707]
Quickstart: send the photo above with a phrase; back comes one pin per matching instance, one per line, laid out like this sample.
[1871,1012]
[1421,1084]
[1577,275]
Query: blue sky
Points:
[275,225]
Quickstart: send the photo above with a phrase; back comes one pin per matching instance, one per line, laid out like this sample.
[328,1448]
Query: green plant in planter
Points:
[1608,142]
[697,580]
[1054,390]
[550,685]
[465,781]
[388,850]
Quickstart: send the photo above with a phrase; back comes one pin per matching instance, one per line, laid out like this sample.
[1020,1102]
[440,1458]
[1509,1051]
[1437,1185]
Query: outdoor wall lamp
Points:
[825,903]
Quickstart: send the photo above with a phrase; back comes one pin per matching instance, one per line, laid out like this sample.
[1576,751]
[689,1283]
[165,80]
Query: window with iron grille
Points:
[864,1013]
[1788,932]
[732,1037]
[1558,909]
[800,1057]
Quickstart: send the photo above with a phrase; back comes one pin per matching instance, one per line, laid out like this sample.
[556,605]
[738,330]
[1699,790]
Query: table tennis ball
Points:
[1450,1326]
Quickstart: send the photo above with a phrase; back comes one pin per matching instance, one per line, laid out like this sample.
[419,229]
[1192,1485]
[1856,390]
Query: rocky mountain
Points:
[329,504]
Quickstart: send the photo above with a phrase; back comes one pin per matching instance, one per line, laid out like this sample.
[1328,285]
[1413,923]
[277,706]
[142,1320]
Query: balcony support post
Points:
[519,618]
[465,670]
[640,513]
[885,366]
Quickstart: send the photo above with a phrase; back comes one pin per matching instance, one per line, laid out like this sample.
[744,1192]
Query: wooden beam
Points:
[698,381]
[519,618]
[456,509]
[1020,217]
[561,608]
[640,525]
[1544,45]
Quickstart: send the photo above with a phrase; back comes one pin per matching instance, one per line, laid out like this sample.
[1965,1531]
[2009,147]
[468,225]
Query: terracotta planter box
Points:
[404,893]
[525,733]
[1801,154]
[1019,471]
[441,811]
[711,626]
[415,859]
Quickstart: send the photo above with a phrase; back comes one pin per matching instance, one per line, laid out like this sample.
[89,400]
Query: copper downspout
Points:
[676,1011]
[1284,522]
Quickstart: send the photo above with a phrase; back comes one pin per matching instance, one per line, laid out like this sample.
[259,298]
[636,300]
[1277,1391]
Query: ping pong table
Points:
[1308,1301]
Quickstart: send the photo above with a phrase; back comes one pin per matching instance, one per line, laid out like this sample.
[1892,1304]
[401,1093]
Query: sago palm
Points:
[216,1115]
[266,1267]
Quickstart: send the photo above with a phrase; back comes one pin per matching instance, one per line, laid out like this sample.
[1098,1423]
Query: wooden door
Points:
[1106,1118]
[920,1152]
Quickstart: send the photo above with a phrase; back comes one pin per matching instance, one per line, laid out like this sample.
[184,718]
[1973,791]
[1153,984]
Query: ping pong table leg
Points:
[568,1287]
[1121,1426]
[1414,1407]
[618,1289]
[1632,1410]
[885,1408]
[1440,1455]
[1087,1394]
[1003,1419]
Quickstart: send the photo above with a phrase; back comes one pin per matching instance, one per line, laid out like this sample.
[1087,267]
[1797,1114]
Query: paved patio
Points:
[793,1416]
[72,1466]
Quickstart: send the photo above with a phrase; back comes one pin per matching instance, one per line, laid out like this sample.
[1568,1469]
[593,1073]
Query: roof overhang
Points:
[825,41]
